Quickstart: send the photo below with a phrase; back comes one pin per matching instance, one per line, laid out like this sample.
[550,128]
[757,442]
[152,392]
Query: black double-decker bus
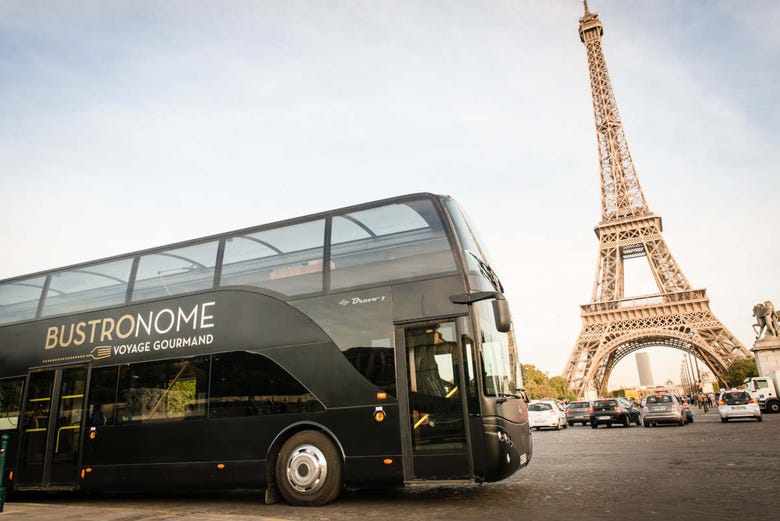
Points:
[365,346]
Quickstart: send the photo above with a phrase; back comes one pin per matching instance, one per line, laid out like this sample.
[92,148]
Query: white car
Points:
[546,413]
[737,404]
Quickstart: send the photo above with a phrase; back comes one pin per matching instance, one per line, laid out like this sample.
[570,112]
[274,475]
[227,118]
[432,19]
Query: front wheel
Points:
[308,470]
[773,407]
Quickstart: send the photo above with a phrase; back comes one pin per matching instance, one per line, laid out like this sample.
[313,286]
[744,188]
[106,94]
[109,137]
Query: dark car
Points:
[634,412]
[578,412]
[608,412]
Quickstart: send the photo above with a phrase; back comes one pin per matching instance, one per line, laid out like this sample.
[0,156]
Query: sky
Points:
[133,124]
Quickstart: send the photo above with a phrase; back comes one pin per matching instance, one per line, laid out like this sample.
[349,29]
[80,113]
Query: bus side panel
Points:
[372,448]
[145,456]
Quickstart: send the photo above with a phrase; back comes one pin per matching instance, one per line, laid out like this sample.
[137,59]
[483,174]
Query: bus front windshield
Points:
[498,352]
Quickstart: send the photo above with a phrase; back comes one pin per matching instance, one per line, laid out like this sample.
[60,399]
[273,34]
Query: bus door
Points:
[50,438]
[433,429]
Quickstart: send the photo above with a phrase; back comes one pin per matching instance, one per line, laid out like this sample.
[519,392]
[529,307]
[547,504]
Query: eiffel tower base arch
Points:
[613,330]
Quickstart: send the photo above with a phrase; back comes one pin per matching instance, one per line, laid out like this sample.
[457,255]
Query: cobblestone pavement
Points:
[705,470]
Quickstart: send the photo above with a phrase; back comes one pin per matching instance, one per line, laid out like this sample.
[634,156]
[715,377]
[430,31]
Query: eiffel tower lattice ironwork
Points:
[614,326]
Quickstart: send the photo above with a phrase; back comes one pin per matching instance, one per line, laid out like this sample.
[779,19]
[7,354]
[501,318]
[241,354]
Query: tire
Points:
[308,470]
[594,425]
[626,421]
[724,420]
[773,407]
[759,418]
[571,424]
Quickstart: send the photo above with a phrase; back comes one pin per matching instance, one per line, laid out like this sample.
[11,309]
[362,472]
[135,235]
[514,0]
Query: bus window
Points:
[19,299]
[88,287]
[392,242]
[377,364]
[180,270]
[499,357]
[250,384]
[102,393]
[286,260]
[10,402]
[168,390]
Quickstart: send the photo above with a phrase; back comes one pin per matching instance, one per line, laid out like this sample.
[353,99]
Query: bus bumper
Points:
[508,446]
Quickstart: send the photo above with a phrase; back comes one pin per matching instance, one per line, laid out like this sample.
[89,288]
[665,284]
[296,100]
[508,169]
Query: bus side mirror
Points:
[502,314]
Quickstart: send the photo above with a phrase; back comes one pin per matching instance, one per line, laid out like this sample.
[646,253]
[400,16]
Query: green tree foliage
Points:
[739,370]
[538,385]
[561,387]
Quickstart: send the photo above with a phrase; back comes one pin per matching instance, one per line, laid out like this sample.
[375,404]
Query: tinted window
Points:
[579,405]
[286,260]
[102,393]
[664,398]
[169,390]
[10,402]
[739,398]
[88,287]
[175,271]
[540,407]
[377,364]
[392,242]
[249,384]
[19,299]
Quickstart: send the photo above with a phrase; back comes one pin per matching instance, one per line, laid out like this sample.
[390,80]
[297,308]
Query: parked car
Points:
[737,404]
[546,413]
[663,408]
[608,412]
[578,412]
[634,412]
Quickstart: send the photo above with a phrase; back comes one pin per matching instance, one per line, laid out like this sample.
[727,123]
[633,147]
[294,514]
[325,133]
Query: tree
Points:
[739,370]
[561,387]
[538,385]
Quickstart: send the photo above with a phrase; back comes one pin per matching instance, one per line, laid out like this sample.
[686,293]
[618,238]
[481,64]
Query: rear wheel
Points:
[724,420]
[773,406]
[308,470]
[626,421]
[759,418]
[594,425]
[645,424]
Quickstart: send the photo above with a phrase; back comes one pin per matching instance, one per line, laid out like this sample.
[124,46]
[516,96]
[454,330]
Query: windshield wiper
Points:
[488,272]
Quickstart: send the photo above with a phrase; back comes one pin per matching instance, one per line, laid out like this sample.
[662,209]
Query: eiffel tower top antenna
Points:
[621,194]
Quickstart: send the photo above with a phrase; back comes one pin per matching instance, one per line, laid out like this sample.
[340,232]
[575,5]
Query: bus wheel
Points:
[308,470]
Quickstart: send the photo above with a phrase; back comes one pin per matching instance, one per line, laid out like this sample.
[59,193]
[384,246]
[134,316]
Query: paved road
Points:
[706,470]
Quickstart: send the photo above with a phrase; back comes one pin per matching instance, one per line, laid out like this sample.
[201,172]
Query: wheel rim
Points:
[307,468]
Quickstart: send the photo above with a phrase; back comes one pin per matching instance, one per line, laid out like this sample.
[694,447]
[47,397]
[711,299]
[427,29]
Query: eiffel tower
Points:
[614,326]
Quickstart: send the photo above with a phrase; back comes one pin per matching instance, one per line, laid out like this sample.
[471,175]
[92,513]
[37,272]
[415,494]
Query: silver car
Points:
[737,404]
[663,408]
